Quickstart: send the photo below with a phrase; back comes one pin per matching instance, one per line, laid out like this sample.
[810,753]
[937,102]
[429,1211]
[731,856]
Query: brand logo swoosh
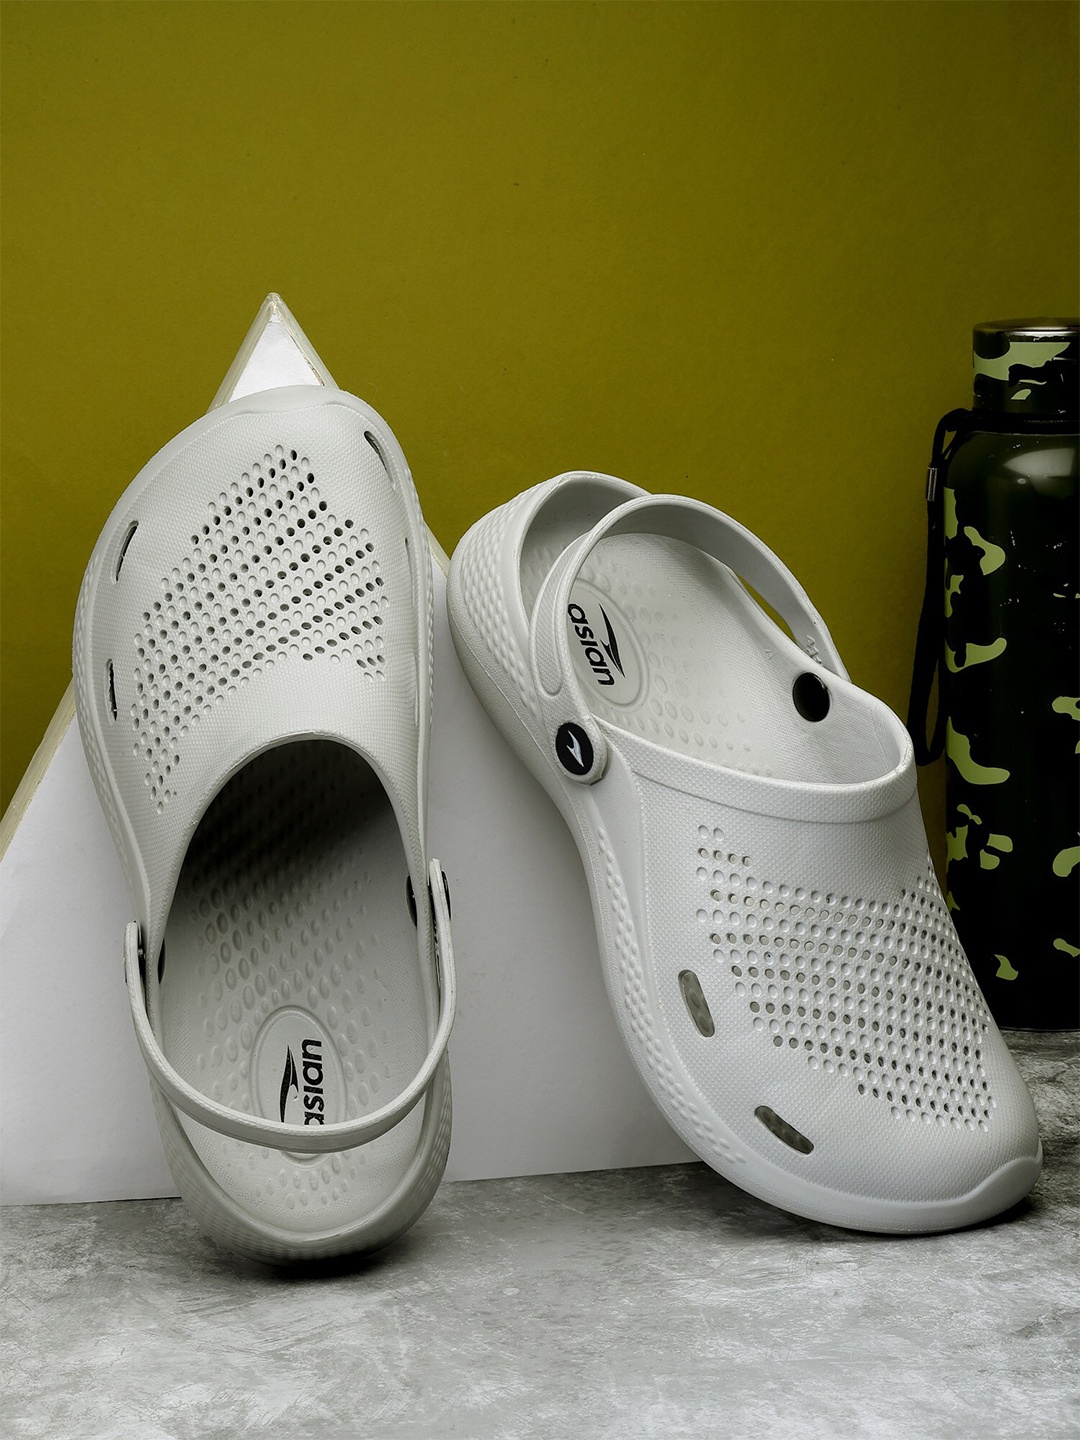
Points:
[611,644]
[289,1079]
[573,744]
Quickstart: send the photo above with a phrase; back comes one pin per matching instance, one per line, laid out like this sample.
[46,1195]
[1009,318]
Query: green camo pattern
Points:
[1032,354]
[1026,368]
[1011,657]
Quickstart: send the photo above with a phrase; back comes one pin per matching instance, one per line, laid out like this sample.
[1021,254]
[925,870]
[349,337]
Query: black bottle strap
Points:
[930,641]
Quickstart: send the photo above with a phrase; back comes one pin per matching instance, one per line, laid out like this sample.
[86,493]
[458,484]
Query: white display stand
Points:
[541,1081]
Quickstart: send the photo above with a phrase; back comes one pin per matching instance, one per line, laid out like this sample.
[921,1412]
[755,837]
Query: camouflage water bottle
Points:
[999,629]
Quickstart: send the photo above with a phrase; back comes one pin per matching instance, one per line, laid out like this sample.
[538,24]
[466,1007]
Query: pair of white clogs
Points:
[253,675]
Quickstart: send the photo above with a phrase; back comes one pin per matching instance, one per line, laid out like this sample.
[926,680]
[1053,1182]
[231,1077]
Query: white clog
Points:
[252,663]
[776,948]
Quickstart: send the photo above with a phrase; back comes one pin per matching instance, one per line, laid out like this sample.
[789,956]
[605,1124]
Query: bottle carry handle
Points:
[930,640]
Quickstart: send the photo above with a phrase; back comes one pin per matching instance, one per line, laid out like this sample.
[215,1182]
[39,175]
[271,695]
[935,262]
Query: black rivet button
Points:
[811,697]
[574,748]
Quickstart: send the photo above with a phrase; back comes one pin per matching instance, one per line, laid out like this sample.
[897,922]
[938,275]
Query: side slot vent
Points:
[124,549]
[783,1131]
[696,1004]
[376,445]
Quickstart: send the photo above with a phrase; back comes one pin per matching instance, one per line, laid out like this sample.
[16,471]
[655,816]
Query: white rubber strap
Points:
[676,518]
[299,1139]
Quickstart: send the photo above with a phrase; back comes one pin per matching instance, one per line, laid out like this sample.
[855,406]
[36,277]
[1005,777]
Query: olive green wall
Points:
[733,249]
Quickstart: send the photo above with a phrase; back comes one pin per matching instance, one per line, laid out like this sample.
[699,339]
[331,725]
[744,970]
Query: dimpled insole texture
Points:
[703,671]
[290,982]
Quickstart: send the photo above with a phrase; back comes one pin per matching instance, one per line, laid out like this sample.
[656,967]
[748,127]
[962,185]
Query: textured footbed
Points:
[289,984]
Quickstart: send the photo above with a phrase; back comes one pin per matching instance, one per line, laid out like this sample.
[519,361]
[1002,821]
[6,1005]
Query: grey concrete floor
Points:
[635,1303]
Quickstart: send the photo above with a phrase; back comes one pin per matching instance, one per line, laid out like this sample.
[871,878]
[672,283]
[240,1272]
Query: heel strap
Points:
[298,1139]
[672,517]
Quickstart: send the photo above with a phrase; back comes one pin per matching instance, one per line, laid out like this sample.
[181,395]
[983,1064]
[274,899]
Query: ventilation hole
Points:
[111,688]
[161,963]
[124,548]
[410,898]
[783,1131]
[375,445]
[811,697]
[696,1003]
